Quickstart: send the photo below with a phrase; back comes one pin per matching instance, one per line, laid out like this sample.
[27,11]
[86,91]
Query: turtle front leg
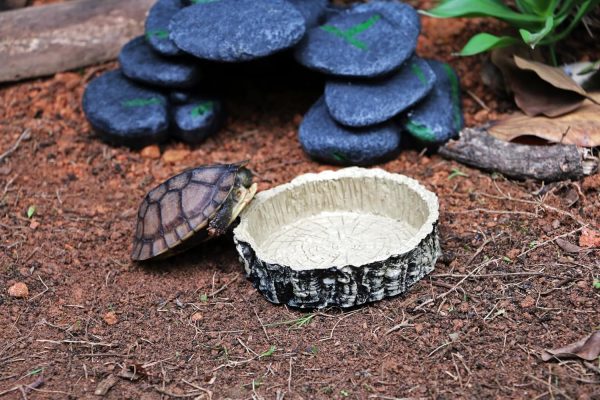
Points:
[220,223]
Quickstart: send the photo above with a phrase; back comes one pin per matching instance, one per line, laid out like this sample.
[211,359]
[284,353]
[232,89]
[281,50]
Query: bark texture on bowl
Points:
[340,238]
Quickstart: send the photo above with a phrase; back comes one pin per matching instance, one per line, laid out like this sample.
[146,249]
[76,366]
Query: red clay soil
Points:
[194,327]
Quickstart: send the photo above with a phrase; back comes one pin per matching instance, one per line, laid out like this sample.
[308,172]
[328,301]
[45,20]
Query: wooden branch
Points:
[476,148]
[43,40]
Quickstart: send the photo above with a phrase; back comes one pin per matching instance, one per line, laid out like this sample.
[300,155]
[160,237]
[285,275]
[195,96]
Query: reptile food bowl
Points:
[339,238]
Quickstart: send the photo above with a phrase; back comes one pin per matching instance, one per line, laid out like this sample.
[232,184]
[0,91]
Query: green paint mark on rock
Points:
[419,73]
[202,108]
[140,102]
[455,96]
[339,157]
[158,33]
[420,131]
[349,34]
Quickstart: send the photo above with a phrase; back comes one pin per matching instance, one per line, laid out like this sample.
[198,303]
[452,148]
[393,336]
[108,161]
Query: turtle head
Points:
[245,192]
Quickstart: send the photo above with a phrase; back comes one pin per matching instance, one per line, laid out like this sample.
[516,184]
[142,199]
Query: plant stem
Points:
[553,57]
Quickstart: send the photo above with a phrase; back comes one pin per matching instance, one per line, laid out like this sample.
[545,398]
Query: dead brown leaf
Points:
[587,348]
[105,385]
[553,75]
[581,127]
[538,89]
[568,246]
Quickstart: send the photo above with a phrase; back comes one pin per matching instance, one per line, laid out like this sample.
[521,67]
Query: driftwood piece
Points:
[476,148]
[43,40]
[12,4]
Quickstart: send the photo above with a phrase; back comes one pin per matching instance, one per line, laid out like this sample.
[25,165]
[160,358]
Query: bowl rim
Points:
[242,233]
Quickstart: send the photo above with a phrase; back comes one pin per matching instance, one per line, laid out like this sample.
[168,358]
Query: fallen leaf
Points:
[105,385]
[581,127]
[553,75]
[18,290]
[587,348]
[589,238]
[568,246]
[538,89]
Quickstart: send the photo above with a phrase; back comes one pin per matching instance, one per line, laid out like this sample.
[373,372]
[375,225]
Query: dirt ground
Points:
[194,327]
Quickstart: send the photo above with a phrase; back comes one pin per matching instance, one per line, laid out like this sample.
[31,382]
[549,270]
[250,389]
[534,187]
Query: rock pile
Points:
[376,88]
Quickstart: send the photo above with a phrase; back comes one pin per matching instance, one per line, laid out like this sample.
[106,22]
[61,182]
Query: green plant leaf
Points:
[532,39]
[483,42]
[484,8]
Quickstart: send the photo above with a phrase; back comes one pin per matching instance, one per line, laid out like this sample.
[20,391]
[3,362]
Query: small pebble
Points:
[110,318]
[528,302]
[589,238]
[18,290]
[152,152]
[197,316]
[175,155]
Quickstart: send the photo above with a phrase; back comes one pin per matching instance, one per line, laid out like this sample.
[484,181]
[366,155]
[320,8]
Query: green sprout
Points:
[268,352]
[596,284]
[456,172]
[298,322]
[31,212]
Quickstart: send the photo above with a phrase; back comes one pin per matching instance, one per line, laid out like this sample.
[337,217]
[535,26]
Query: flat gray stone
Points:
[140,63]
[324,139]
[237,30]
[125,113]
[157,26]
[197,119]
[439,116]
[368,102]
[364,41]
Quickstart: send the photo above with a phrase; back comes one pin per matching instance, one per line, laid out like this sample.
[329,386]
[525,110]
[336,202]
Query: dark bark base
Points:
[342,287]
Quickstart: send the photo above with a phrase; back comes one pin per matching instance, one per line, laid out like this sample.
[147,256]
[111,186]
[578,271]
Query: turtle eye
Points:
[244,177]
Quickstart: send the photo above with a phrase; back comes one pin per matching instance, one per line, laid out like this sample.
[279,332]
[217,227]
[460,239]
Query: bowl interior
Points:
[351,217]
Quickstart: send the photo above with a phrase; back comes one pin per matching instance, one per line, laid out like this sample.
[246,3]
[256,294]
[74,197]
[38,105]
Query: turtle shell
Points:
[180,208]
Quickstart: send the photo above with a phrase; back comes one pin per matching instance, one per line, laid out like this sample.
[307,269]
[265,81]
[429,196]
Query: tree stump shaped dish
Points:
[339,238]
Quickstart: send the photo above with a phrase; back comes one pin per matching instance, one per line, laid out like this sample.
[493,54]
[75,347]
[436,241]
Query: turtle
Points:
[191,207]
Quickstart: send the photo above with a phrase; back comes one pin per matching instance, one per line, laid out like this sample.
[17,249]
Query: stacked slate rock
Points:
[158,91]
[376,87]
